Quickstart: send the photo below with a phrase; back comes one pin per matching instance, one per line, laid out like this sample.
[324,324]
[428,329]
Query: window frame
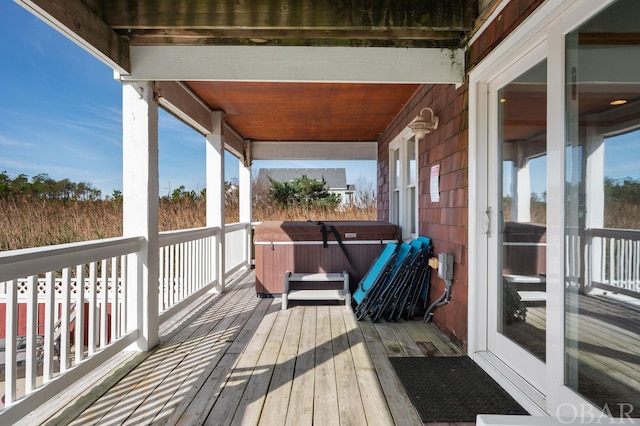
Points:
[400,212]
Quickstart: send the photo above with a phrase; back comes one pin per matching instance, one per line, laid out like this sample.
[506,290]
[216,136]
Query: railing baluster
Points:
[104,305]
[612,266]
[115,300]
[65,319]
[172,276]
[627,263]
[182,281]
[207,260]
[79,319]
[10,366]
[32,329]
[200,265]
[49,325]
[186,287]
[603,257]
[161,284]
[93,302]
[124,292]
[636,268]
[619,263]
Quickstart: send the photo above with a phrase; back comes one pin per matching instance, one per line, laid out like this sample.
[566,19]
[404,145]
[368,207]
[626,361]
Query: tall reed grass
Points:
[26,222]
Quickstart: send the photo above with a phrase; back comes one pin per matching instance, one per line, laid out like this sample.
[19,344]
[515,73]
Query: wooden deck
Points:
[603,352]
[242,360]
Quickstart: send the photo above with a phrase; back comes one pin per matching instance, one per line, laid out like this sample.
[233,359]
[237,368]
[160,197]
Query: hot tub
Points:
[300,247]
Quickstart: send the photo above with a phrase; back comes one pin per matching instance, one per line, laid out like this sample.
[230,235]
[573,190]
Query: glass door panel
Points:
[522,116]
[602,210]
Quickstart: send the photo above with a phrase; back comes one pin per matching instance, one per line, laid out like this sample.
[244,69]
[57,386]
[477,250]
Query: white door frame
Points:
[549,24]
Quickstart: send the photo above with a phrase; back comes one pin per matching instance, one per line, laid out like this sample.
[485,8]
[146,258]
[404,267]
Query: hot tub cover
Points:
[270,232]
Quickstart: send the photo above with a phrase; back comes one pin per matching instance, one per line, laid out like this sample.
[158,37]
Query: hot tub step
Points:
[316,293]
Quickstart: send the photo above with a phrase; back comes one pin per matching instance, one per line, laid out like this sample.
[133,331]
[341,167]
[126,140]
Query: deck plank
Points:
[208,394]
[242,360]
[300,411]
[389,339]
[205,359]
[250,407]
[325,405]
[373,400]
[349,398]
[402,410]
[409,345]
[227,403]
[279,393]
[120,402]
[422,332]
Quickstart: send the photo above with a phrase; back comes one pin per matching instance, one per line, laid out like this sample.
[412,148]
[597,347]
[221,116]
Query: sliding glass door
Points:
[517,242]
[602,211]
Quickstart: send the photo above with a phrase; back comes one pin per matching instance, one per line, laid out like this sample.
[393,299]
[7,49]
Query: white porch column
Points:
[140,206]
[521,190]
[216,192]
[594,215]
[244,203]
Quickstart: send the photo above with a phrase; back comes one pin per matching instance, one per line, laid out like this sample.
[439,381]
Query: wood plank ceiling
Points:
[306,111]
[278,111]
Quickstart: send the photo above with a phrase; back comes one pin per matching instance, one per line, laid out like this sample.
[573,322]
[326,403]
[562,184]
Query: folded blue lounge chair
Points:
[377,292]
[382,262]
[391,302]
[395,283]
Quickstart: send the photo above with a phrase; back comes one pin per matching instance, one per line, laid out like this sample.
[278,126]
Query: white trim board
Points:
[298,64]
[271,150]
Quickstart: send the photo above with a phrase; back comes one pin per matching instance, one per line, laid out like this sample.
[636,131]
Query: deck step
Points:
[316,277]
[532,296]
[316,293]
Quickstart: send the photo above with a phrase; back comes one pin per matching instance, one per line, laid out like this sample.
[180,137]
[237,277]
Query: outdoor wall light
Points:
[420,126]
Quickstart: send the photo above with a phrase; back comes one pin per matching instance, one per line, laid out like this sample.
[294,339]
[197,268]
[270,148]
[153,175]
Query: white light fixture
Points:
[420,126]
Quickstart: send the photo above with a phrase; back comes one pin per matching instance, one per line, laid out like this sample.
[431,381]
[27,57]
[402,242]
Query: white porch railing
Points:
[187,264]
[57,331]
[614,259]
[237,237]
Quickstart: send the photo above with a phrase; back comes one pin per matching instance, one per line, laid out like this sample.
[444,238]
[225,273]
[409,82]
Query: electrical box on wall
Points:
[445,266]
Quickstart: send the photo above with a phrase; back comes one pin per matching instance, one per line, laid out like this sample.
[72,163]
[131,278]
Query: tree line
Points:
[626,190]
[43,187]
[297,193]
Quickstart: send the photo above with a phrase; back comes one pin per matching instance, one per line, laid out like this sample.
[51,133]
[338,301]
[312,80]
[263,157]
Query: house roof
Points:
[336,179]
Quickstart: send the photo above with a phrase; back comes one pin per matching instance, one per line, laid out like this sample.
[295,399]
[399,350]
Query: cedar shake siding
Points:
[446,221]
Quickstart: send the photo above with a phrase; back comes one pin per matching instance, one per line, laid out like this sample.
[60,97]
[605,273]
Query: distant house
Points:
[336,180]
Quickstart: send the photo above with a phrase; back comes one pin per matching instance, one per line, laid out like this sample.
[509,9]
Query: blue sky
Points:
[61,109]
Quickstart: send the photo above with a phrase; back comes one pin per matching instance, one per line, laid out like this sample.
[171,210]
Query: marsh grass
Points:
[27,222]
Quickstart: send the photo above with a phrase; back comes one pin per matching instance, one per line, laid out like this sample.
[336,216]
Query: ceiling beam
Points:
[298,64]
[180,101]
[353,37]
[81,25]
[278,150]
[177,99]
[144,14]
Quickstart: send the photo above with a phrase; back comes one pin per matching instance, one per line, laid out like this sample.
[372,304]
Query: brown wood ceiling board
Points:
[306,111]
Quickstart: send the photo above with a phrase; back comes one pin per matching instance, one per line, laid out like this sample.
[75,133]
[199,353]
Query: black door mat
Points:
[452,389]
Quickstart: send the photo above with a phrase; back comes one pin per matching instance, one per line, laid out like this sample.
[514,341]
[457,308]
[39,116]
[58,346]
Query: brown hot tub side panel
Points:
[298,247]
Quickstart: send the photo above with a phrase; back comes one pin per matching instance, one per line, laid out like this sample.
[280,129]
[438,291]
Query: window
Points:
[403,203]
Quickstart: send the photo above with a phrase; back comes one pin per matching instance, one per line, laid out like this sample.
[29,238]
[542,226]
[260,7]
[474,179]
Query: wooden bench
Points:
[316,293]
